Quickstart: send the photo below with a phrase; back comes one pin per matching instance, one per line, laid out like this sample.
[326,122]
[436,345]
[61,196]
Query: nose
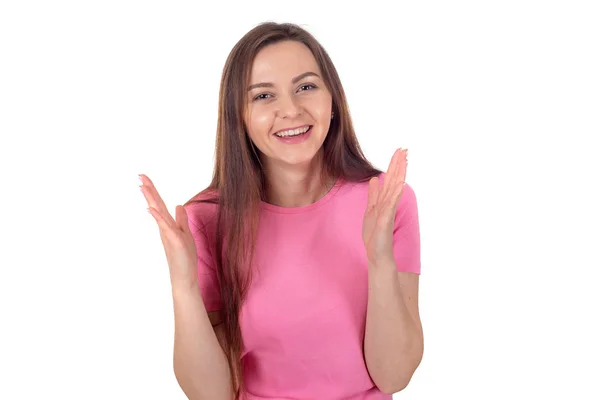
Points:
[288,107]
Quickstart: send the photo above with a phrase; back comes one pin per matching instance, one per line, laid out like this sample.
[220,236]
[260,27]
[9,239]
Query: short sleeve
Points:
[407,238]
[207,273]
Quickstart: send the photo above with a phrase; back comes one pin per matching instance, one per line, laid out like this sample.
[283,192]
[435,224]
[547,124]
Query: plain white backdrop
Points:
[497,102]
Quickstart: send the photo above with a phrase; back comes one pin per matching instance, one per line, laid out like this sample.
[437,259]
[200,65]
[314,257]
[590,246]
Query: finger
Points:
[157,201]
[154,200]
[182,219]
[400,173]
[373,193]
[401,179]
[388,182]
[165,229]
[152,203]
[398,193]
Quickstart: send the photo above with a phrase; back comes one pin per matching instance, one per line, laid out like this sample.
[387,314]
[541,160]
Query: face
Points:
[288,105]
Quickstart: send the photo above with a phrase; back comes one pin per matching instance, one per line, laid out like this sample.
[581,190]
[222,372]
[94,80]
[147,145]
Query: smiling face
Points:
[286,97]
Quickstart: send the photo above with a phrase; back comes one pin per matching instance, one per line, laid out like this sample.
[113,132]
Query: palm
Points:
[378,221]
[175,235]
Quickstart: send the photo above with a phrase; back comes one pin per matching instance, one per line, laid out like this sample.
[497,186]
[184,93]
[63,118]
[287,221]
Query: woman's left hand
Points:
[378,222]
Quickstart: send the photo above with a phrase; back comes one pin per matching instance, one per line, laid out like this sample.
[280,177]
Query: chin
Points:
[297,155]
[298,160]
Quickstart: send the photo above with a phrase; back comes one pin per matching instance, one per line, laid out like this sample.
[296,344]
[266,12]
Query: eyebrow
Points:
[295,80]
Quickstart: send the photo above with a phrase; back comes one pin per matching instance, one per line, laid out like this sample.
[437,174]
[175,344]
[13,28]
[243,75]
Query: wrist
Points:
[185,288]
[386,264]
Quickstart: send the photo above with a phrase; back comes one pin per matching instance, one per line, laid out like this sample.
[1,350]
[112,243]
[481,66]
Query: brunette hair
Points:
[238,182]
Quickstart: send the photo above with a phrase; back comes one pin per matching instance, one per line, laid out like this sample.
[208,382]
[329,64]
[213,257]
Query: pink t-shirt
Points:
[303,321]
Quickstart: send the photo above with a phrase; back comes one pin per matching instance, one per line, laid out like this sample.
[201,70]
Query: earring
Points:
[332,114]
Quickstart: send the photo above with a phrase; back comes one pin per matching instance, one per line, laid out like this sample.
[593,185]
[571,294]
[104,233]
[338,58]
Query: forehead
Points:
[282,61]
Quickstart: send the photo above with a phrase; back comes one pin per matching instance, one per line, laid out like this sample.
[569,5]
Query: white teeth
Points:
[293,132]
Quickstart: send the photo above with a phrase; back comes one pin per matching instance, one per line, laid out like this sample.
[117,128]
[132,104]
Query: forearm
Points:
[199,362]
[393,339]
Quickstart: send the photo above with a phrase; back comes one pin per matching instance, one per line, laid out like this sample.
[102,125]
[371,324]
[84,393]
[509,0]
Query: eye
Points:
[309,86]
[303,88]
[261,96]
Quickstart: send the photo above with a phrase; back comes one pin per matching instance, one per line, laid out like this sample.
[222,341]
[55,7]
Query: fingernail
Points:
[140,178]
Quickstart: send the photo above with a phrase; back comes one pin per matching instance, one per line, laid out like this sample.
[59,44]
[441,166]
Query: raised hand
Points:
[378,222]
[176,237]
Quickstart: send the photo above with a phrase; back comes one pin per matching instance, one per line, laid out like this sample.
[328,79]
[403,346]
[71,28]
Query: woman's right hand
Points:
[176,237]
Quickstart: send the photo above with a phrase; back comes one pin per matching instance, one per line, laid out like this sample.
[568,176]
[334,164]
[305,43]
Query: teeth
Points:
[292,132]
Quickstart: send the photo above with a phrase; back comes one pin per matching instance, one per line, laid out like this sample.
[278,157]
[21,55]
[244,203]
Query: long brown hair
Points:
[238,182]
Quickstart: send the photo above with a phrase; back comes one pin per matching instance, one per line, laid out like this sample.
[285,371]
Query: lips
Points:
[296,139]
[292,129]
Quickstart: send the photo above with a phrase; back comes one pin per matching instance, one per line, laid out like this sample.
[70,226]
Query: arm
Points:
[393,343]
[394,336]
[199,362]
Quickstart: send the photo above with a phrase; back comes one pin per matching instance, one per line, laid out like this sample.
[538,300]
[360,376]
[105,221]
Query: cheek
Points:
[259,122]
[321,108]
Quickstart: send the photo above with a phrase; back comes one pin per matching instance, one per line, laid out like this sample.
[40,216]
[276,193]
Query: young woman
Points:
[295,273]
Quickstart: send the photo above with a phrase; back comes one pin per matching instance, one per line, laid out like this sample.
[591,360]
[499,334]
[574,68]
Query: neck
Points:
[296,186]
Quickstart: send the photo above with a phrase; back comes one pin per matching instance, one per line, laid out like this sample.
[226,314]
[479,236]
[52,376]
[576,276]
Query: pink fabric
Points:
[303,321]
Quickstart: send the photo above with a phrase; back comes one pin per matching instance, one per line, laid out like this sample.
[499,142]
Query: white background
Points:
[498,103]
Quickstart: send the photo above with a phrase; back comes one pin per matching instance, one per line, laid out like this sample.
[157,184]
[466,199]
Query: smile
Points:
[293,132]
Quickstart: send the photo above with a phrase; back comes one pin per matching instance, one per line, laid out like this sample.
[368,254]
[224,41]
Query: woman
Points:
[295,273]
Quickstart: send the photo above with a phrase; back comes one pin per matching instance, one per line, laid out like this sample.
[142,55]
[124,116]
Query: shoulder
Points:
[202,209]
